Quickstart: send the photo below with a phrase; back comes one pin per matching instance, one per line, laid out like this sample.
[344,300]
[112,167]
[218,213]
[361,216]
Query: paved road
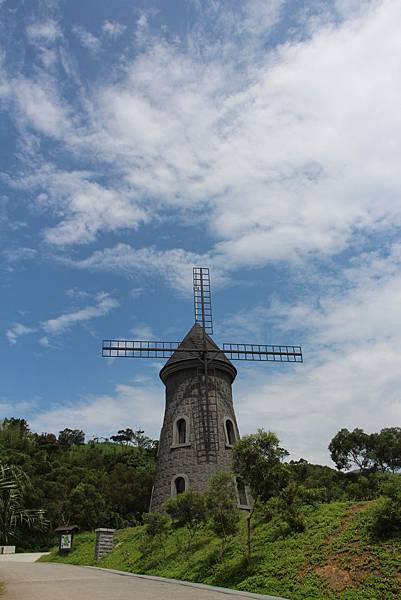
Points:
[45,581]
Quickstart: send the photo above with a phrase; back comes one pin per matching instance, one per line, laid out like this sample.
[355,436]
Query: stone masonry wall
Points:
[184,399]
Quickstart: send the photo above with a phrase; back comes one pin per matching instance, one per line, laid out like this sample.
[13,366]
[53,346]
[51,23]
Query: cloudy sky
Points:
[261,138]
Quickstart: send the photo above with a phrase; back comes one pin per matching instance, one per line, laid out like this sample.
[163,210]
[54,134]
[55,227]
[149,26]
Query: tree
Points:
[287,505]
[222,505]
[135,438]
[386,448]
[352,448]
[258,460]
[70,437]
[13,515]
[188,509]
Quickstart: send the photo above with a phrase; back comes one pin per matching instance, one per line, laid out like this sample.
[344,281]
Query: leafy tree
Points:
[352,448]
[222,505]
[70,437]
[258,460]
[135,438]
[189,510]
[287,506]
[13,514]
[85,506]
[386,448]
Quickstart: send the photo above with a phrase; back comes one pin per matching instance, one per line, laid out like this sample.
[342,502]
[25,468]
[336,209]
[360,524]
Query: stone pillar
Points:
[104,542]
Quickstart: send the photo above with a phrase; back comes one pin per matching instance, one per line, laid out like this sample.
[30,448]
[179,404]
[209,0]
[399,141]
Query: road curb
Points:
[201,586]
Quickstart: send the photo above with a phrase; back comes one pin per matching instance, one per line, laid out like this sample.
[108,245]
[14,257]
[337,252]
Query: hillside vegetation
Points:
[335,557]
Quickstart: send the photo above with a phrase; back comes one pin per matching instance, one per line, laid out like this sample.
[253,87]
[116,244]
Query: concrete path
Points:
[21,557]
[52,581]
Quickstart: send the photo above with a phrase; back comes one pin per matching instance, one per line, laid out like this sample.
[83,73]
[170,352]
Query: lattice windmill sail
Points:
[199,426]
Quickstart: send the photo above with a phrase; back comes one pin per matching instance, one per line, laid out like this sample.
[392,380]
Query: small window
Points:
[231,438]
[179,485]
[242,497]
[181,431]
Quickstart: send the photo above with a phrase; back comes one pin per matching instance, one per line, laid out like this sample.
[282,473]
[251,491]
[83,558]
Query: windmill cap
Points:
[187,359]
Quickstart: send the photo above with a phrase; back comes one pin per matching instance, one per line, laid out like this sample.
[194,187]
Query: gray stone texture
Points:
[104,542]
[207,450]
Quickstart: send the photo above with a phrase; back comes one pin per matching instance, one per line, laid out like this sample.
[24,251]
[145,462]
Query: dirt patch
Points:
[335,577]
[345,569]
[348,570]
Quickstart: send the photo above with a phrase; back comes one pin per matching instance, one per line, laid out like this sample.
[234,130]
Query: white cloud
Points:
[64,322]
[17,330]
[142,331]
[46,31]
[284,158]
[113,28]
[85,206]
[136,406]
[87,39]
[352,350]
[173,265]
[60,324]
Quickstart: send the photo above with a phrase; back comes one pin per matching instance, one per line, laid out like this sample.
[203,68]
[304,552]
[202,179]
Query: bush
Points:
[189,510]
[222,505]
[156,530]
[386,521]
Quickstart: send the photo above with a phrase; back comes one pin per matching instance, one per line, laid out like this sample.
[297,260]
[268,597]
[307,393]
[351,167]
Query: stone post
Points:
[104,542]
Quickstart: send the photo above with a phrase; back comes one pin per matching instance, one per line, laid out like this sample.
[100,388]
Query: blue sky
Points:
[261,139]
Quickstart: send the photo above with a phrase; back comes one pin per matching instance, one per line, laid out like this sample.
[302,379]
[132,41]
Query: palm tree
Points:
[13,485]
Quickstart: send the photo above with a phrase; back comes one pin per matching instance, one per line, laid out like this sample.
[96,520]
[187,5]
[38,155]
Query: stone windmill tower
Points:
[199,427]
[198,433]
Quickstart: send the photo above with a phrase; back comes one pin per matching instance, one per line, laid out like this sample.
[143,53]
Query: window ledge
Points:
[174,446]
[229,445]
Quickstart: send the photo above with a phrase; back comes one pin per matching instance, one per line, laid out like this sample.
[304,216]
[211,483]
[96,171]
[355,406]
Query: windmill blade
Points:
[258,352]
[202,299]
[138,349]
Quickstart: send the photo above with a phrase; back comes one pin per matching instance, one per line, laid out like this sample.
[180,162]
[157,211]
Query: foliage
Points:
[386,521]
[335,541]
[287,507]
[92,485]
[13,514]
[367,452]
[156,530]
[351,448]
[222,506]
[135,438]
[69,437]
[387,448]
[258,461]
[188,509]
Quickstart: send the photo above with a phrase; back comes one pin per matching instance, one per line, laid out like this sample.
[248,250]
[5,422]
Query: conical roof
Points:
[187,354]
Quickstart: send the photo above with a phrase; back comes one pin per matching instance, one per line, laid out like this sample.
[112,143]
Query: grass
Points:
[334,558]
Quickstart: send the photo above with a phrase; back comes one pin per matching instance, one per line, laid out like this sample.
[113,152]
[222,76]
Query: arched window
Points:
[242,497]
[179,483]
[181,431]
[230,432]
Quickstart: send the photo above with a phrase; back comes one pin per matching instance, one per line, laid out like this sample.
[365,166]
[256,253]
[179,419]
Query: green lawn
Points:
[334,558]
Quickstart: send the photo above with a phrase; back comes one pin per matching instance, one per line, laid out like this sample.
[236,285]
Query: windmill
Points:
[198,378]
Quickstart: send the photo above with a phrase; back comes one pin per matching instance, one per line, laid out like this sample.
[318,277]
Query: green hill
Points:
[335,557]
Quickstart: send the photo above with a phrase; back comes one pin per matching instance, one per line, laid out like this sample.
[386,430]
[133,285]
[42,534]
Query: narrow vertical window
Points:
[181,431]
[179,485]
[230,432]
